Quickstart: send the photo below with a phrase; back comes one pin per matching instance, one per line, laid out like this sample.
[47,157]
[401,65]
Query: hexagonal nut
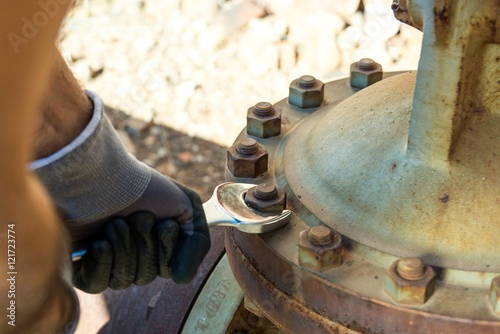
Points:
[320,258]
[409,292]
[242,165]
[361,78]
[264,126]
[275,204]
[306,97]
[495,295]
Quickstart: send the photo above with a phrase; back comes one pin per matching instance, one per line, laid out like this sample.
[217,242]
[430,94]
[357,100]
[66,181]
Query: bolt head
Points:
[247,146]
[307,81]
[365,73]
[409,292]
[366,64]
[320,235]
[495,295]
[320,257]
[411,268]
[306,97]
[264,126]
[243,165]
[278,203]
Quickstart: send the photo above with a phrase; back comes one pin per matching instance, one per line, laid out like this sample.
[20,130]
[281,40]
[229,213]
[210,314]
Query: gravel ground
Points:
[193,161]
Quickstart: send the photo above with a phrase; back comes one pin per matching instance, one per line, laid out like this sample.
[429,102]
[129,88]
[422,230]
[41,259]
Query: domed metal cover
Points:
[350,166]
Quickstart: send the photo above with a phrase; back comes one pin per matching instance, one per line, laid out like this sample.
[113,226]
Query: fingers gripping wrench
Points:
[227,207]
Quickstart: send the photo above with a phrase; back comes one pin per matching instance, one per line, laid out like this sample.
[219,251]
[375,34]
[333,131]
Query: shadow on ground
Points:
[193,161]
[161,306]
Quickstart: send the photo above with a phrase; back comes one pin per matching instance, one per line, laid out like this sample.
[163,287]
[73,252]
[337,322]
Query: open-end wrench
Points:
[227,207]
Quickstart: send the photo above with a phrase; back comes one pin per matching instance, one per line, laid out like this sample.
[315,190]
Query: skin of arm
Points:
[40,295]
[64,112]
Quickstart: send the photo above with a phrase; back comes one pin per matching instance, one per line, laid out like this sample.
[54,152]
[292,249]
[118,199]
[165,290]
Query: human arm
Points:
[40,296]
[93,179]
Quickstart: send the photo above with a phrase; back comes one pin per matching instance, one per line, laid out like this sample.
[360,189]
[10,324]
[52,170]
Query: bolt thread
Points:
[411,269]
[247,146]
[265,192]
[320,235]
[366,64]
[263,109]
[307,81]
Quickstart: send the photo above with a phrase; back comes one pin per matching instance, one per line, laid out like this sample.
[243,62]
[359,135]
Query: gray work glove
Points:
[94,180]
[140,248]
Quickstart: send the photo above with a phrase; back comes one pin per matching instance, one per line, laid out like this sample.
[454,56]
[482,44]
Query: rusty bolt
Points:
[409,281]
[495,295]
[306,92]
[266,197]
[247,159]
[320,235]
[365,72]
[263,120]
[411,269]
[320,248]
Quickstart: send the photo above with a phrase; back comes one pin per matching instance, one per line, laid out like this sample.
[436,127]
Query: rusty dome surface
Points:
[350,167]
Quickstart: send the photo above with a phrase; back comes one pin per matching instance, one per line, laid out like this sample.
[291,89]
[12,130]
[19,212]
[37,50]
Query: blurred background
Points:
[177,77]
[197,66]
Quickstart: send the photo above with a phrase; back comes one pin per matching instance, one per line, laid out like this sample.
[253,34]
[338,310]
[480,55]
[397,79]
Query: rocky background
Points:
[197,66]
[179,75]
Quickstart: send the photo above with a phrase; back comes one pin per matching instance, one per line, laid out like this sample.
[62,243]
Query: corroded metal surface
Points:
[266,198]
[495,295]
[263,121]
[405,168]
[409,291]
[321,252]
[450,95]
[352,295]
[350,166]
[247,159]
[365,72]
[306,92]
[300,301]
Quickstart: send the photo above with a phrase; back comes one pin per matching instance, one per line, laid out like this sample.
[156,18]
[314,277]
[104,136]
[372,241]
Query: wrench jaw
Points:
[227,207]
[266,226]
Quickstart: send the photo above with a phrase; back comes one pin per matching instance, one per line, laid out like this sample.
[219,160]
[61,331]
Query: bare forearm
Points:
[23,76]
[64,112]
[32,244]
[24,69]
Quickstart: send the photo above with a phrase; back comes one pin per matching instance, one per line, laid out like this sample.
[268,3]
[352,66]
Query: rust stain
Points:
[441,11]
[444,199]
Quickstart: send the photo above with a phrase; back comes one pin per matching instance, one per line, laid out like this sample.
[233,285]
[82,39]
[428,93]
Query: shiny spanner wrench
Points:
[227,207]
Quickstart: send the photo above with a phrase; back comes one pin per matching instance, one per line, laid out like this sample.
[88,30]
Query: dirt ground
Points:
[193,161]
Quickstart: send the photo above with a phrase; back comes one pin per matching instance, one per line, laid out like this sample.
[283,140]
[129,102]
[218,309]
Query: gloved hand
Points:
[94,179]
[138,248]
